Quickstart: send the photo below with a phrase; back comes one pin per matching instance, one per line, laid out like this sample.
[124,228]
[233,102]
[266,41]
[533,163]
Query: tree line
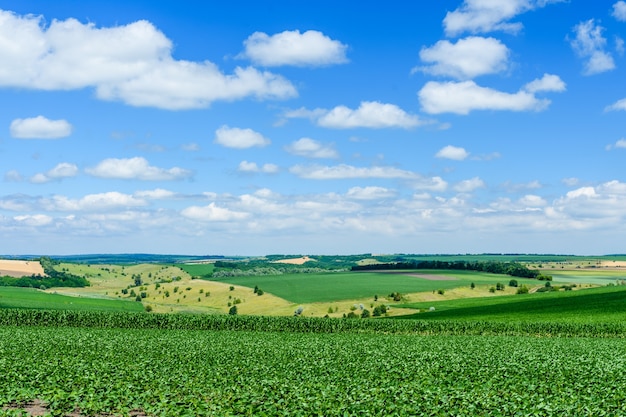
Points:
[514,269]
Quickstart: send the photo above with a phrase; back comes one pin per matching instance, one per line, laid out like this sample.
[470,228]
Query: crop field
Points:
[327,287]
[156,372]
[12,297]
[594,305]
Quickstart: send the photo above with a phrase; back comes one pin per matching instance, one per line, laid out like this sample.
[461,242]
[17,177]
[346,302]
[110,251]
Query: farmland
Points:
[160,372]
[470,350]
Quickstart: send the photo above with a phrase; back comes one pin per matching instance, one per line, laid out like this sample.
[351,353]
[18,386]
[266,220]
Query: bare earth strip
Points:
[12,268]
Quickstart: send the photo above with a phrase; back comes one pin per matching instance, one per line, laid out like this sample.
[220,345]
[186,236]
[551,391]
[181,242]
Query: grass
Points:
[12,297]
[329,287]
[593,305]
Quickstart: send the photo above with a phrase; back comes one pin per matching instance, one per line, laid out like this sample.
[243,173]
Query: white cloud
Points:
[620,144]
[132,63]
[213,213]
[533,201]
[466,59]
[548,82]
[311,148]
[234,137]
[369,193]
[619,45]
[344,171]
[156,194]
[93,202]
[136,168]
[466,96]
[40,127]
[34,220]
[452,152]
[481,16]
[245,166]
[369,114]
[589,44]
[619,10]
[311,48]
[467,186]
[60,171]
[618,105]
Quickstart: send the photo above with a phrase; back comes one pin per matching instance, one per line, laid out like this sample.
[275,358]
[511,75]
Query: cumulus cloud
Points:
[465,59]
[619,10]
[40,127]
[311,148]
[156,194]
[60,171]
[479,16]
[311,48]
[234,137]
[369,193]
[369,114]
[34,220]
[344,171]
[618,105]
[589,44]
[93,202]
[466,96]
[131,63]
[548,82]
[213,213]
[620,144]
[452,152]
[136,168]
[252,167]
[467,186]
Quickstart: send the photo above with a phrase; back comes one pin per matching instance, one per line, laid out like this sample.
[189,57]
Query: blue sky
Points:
[247,128]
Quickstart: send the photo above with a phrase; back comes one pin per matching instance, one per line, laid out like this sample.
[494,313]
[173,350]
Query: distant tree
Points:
[233,311]
[365,313]
[472,285]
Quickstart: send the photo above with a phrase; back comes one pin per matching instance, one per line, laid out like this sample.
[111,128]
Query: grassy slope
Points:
[328,287]
[11,297]
[605,304]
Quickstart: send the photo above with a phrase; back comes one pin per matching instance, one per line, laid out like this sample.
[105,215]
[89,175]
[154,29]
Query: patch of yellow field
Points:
[294,261]
[15,268]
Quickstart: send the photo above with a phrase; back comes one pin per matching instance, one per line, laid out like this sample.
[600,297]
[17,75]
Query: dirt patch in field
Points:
[294,261]
[13,268]
[38,408]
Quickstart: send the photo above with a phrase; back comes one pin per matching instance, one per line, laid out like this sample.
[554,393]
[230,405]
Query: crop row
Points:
[224,373]
[130,320]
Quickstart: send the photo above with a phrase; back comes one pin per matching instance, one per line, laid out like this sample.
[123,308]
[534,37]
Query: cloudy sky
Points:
[250,128]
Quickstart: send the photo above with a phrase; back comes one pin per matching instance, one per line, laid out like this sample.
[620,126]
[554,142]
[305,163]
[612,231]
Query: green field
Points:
[594,305]
[12,297]
[328,287]
[152,372]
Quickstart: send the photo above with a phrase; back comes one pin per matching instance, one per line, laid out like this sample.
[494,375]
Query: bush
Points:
[233,311]
[259,292]
[441,291]
[365,313]
[148,308]
[472,285]
[522,290]
[499,286]
[513,283]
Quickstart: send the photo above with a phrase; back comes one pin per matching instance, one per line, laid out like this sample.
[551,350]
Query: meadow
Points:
[12,297]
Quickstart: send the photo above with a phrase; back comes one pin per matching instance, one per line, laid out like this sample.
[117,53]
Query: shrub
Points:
[513,283]
[472,285]
[522,290]
[260,292]
[148,308]
[492,289]
[233,311]
[365,313]
[441,291]
[232,288]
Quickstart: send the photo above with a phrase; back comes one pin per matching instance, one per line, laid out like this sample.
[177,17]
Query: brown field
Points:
[18,269]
